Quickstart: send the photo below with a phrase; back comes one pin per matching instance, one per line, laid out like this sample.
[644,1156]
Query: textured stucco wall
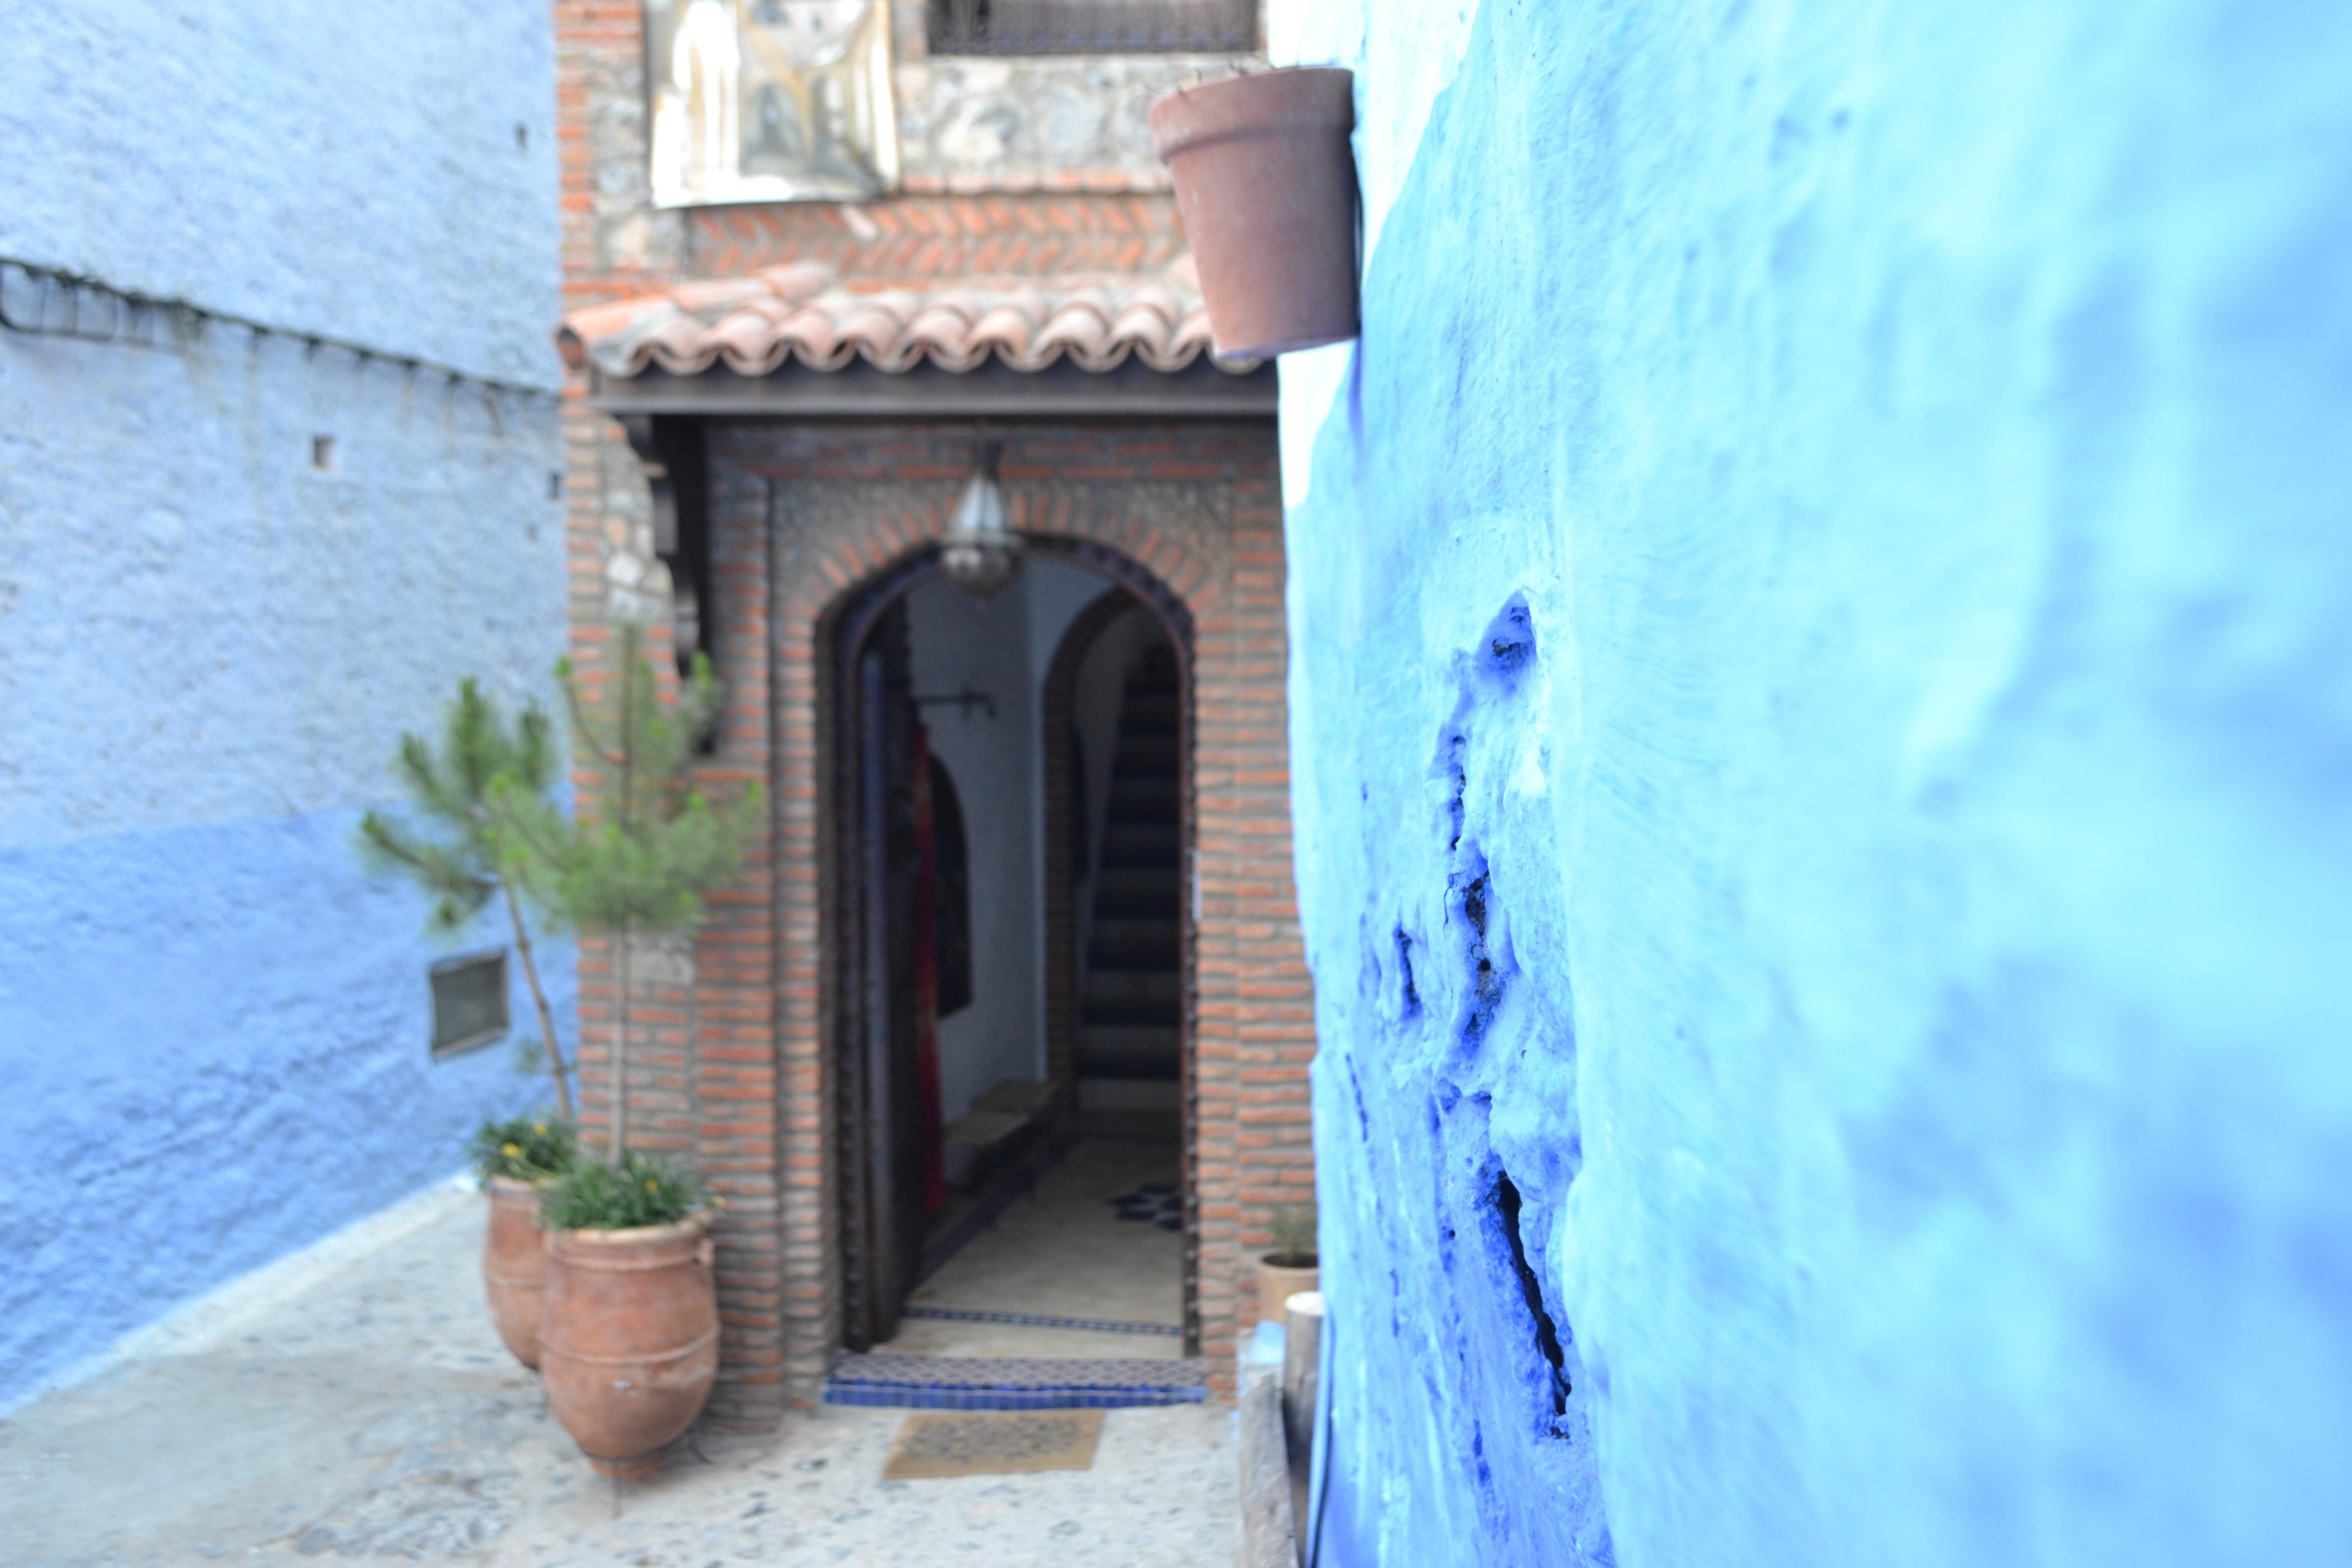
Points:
[213,1028]
[966,122]
[381,173]
[1822,702]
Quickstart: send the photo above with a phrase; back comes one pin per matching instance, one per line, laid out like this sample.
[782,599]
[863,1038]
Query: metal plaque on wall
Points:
[768,100]
[469,1002]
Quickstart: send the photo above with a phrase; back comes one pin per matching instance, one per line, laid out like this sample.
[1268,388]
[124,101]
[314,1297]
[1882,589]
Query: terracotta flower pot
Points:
[1277,1283]
[628,1345]
[1267,184]
[514,1265]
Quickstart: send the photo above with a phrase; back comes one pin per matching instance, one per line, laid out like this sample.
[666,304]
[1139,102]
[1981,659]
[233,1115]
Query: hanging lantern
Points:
[980,552]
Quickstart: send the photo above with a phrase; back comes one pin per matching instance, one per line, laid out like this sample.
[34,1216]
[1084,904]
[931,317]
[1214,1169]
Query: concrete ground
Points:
[354,1403]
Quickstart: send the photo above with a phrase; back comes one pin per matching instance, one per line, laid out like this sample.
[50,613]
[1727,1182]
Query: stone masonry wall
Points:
[1004,126]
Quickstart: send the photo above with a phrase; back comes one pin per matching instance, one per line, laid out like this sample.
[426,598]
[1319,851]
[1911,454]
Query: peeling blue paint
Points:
[1821,703]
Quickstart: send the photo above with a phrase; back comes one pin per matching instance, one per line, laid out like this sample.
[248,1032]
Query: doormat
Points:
[1012,1383]
[997,1443]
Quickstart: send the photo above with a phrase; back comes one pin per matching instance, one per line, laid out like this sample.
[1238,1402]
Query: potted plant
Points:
[629,1326]
[1292,1265]
[463,864]
[1266,182]
[629,1333]
[515,1159]
[449,846]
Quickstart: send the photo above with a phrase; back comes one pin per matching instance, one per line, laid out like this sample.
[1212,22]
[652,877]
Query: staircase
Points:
[1131,1005]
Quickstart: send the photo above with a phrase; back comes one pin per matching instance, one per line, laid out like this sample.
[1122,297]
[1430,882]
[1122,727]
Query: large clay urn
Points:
[514,1265]
[1266,182]
[628,1345]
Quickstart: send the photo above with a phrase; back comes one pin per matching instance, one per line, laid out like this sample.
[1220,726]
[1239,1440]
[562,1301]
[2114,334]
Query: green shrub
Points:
[448,843]
[651,847]
[535,1148]
[1294,1238]
[643,1189]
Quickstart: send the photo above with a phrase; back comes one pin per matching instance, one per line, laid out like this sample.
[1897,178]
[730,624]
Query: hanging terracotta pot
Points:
[628,1343]
[1267,184]
[514,1265]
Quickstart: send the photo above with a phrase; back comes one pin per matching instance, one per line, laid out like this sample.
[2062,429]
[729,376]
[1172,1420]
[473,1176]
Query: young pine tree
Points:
[453,851]
[646,845]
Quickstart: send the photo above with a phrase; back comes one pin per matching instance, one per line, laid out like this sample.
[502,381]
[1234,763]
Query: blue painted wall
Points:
[1821,612]
[213,1028]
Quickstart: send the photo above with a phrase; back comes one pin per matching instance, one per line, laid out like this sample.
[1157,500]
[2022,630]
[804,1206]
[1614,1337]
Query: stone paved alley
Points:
[353,1402]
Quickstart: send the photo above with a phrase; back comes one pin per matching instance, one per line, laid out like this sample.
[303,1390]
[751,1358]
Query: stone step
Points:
[1109,987]
[1150,709]
[1128,891]
[1130,1015]
[1137,797]
[1130,1050]
[1140,844]
[1144,756]
[994,1383]
[1127,942]
[1153,1102]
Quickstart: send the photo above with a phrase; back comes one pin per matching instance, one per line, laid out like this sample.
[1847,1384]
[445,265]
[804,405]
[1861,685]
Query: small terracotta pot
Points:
[514,1265]
[1277,1283]
[628,1345]
[1267,184]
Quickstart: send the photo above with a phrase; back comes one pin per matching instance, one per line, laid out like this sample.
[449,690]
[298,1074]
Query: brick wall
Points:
[727,1064]
[728,1050]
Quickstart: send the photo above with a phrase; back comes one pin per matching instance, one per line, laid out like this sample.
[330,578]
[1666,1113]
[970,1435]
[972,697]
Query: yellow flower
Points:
[540,1128]
[651,1185]
[512,1151]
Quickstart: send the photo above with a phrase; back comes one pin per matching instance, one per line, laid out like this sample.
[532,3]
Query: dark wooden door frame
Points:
[844,633]
[879,1109]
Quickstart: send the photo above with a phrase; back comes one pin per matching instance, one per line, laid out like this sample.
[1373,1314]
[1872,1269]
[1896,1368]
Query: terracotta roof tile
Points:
[803,313]
[912,236]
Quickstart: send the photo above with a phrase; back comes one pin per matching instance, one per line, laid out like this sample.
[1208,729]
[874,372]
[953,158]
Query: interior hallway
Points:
[1089,1242]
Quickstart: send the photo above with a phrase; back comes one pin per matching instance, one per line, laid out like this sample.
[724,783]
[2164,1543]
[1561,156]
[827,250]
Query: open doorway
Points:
[1011,923]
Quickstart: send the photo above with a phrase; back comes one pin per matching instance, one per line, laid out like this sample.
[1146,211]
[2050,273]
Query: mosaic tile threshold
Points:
[993,1382]
[1032,1321]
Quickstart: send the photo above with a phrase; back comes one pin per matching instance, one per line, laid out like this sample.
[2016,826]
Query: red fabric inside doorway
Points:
[927,979]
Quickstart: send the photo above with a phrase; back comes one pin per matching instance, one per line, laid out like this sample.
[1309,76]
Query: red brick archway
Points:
[848,621]
[731,1069]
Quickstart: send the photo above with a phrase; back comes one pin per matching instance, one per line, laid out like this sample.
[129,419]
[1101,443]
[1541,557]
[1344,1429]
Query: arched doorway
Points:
[737,1063]
[1061,710]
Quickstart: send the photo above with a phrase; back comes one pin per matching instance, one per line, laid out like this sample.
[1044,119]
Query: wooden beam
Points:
[992,391]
